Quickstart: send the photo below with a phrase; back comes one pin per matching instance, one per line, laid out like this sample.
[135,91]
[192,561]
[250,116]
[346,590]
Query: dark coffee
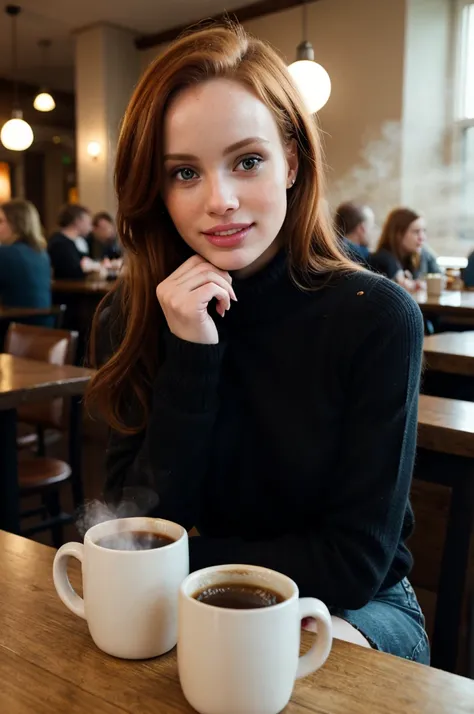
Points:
[238,597]
[135,540]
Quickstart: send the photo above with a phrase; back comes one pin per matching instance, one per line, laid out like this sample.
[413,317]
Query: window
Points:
[465,110]
[466,94]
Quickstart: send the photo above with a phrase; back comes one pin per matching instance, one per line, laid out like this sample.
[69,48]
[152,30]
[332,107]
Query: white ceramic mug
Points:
[245,661]
[130,597]
[434,284]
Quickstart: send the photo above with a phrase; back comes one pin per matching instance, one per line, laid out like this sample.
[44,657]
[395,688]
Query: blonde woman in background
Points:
[401,253]
[25,270]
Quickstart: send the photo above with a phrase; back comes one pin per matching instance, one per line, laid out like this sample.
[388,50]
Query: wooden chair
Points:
[40,474]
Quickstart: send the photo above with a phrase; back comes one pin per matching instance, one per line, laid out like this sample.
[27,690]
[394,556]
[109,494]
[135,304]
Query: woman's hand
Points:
[185,295]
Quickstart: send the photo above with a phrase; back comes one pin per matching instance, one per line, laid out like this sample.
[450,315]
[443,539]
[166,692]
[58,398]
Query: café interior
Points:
[390,85]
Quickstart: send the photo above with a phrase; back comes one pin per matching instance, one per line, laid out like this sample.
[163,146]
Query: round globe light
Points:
[16,134]
[313,82]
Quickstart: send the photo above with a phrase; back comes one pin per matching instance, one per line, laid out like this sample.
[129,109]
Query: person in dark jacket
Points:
[102,240]
[242,353]
[68,259]
[25,269]
[468,272]
[354,224]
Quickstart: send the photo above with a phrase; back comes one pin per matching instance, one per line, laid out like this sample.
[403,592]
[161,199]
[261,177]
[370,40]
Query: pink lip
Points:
[228,241]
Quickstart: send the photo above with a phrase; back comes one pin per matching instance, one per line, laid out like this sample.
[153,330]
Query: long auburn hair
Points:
[153,248]
[25,223]
[396,225]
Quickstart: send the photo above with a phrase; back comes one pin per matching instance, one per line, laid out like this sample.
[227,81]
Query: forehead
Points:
[418,223]
[214,115]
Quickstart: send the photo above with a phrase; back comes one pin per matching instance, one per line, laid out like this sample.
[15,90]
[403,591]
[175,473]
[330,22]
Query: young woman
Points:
[244,353]
[401,253]
[25,270]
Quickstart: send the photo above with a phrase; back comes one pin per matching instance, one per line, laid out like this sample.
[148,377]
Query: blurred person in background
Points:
[102,240]
[355,223]
[66,249]
[401,253]
[25,269]
[468,272]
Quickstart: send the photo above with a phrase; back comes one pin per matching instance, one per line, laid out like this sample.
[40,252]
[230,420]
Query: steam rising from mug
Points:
[135,502]
[392,171]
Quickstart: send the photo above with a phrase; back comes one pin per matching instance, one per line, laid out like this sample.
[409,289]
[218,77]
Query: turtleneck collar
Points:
[262,296]
[265,279]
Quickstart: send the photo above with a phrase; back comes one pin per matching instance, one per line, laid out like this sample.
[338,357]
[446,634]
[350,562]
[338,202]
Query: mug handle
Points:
[61,581]
[319,652]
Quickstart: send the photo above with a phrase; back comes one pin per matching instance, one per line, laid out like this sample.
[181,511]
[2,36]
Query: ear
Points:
[291,162]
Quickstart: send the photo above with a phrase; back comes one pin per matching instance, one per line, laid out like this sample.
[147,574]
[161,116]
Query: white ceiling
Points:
[57,19]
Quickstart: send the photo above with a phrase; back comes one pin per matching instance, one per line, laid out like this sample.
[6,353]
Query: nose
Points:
[221,197]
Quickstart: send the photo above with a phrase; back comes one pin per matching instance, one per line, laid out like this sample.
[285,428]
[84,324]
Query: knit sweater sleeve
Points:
[344,556]
[165,463]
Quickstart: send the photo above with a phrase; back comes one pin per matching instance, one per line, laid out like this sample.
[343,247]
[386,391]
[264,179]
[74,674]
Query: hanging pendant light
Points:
[44,101]
[16,134]
[311,79]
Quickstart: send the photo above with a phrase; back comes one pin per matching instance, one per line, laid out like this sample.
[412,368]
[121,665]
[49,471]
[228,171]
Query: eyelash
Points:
[252,157]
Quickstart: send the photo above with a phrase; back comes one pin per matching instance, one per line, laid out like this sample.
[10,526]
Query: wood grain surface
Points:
[446,425]
[88,286]
[48,663]
[450,352]
[25,380]
[18,313]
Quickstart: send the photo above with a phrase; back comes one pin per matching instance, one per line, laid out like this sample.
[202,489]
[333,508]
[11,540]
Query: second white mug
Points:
[245,661]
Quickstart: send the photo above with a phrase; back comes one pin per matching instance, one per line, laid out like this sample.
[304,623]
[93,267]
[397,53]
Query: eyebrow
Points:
[229,150]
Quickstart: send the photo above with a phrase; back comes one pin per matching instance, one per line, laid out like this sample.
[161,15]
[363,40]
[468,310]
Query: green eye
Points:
[250,163]
[185,174]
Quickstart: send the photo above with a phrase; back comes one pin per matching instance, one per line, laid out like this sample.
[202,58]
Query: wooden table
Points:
[451,303]
[446,456]
[89,286]
[48,663]
[21,313]
[21,381]
[451,352]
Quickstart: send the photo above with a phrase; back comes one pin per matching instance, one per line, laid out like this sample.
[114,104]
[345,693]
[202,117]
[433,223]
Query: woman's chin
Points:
[233,260]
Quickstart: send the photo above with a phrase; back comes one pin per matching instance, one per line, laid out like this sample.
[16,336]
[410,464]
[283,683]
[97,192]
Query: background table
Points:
[88,286]
[48,662]
[22,313]
[450,303]
[445,456]
[450,352]
[21,381]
